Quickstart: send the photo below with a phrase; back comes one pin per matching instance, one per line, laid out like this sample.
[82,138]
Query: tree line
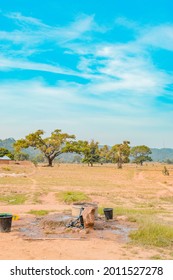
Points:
[58,143]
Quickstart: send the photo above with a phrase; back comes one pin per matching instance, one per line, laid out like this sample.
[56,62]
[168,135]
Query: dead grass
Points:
[141,194]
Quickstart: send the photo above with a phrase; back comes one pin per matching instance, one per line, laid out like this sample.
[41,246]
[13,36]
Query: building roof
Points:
[5,158]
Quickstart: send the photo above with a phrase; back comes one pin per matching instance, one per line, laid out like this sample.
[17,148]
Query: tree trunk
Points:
[50,160]
[119,164]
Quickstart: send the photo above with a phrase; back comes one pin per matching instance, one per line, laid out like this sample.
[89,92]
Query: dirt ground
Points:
[132,187]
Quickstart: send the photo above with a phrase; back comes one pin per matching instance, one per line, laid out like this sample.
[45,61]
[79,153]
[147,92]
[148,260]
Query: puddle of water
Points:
[54,226]
[123,231]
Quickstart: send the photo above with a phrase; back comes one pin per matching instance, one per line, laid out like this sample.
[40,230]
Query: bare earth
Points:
[132,187]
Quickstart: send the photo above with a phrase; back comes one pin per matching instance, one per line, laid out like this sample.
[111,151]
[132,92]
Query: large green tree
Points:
[90,151]
[51,147]
[140,154]
[120,153]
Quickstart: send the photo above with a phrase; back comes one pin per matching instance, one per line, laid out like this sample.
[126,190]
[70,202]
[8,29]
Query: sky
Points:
[99,69]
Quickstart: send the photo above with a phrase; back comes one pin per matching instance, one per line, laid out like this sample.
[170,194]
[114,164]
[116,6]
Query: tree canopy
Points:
[104,154]
[119,153]
[51,146]
[140,154]
[6,152]
[90,151]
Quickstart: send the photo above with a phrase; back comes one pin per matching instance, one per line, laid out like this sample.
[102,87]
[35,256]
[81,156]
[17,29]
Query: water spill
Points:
[54,226]
[123,231]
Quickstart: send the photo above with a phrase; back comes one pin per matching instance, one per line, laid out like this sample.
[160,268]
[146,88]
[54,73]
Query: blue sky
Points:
[101,70]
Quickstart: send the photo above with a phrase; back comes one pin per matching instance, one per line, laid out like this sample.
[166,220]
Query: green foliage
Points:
[14,199]
[3,152]
[6,152]
[131,211]
[119,153]
[104,154]
[51,147]
[91,152]
[72,196]
[39,212]
[21,156]
[140,154]
[38,159]
[153,235]
[7,143]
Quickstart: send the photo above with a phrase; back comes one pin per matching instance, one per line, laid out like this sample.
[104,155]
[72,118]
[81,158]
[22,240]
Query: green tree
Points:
[104,154]
[51,147]
[120,153]
[21,156]
[90,151]
[6,152]
[39,158]
[140,154]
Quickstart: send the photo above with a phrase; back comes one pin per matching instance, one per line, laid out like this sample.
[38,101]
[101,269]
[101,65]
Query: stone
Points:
[88,215]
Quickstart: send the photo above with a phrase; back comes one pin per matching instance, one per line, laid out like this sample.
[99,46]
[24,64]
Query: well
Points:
[76,208]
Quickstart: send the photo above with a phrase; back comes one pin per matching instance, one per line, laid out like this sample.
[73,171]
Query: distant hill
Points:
[7,143]
[161,154]
[157,154]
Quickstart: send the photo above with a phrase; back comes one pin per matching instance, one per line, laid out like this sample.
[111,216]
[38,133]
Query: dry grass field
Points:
[142,199]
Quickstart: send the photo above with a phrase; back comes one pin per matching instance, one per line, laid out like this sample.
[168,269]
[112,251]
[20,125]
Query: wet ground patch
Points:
[56,226]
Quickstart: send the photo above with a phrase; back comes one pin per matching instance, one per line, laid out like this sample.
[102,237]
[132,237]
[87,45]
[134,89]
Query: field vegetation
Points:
[139,195]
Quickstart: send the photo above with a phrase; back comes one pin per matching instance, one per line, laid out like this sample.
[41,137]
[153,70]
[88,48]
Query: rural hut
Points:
[5,160]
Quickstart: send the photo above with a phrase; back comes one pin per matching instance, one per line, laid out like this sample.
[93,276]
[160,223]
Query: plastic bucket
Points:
[5,222]
[108,213]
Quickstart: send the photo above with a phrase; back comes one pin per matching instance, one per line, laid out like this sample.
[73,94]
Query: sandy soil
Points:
[78,245]
[105,185]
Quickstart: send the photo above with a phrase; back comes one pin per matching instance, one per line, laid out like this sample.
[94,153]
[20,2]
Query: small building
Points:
[5,160]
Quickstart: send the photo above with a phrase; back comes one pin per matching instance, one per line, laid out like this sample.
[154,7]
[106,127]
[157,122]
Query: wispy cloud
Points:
[34,28]
[117,69]
[65,107]
[122,21]
[6,64]
[158,36]
[22,20]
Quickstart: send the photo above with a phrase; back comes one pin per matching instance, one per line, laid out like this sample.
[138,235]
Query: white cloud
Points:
[27,34]
[19,18]
[158,36]
[28,65]
[115,71]
[68,106]
[122,21]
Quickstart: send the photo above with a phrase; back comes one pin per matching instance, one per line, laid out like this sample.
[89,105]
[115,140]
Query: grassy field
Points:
[141,195]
